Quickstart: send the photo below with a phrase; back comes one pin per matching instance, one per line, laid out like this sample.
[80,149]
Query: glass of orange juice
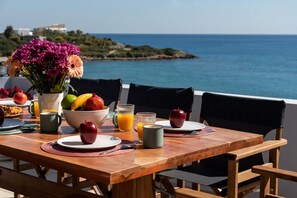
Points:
[36,108]
[125,116]
[144,118]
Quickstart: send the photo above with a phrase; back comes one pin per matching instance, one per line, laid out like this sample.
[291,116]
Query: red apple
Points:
[177,118]
[20,98]
[88,132]
[2,115]
[94,103]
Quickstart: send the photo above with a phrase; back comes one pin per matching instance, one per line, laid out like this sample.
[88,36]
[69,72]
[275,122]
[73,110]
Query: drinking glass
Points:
[50,102]
[144,118]
[125,116]
[36,106]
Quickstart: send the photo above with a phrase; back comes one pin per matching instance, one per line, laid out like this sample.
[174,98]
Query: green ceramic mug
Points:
[115,120]
[49,122]
[153,136]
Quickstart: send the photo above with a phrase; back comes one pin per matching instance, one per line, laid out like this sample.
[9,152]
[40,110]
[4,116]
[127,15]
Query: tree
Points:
[71,33]
[7,47]
[8,31]
[16,38]
[79,32]
[59,39]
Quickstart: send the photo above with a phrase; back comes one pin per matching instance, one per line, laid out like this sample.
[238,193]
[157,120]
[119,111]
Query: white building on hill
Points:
[54,27]
[23,32]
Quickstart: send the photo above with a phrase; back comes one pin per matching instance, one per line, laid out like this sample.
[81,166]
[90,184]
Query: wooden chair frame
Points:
[269,173]
[234,176]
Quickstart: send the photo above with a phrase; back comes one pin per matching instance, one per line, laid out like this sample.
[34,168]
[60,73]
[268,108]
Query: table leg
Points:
[141,187]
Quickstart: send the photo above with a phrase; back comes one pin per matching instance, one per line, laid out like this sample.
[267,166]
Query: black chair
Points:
[230,174]
[108,89]
[160,100]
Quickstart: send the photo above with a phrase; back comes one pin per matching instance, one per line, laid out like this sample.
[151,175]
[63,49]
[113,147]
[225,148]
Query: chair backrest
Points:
[245,114]
[160,100]
[242,113]
[108,89]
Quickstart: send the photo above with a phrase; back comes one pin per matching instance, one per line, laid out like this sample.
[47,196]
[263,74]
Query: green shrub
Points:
[7,46]
[59,39]
[169,51]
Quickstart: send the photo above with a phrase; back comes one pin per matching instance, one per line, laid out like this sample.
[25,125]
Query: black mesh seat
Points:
[239,113]
[108,89]
[160,100]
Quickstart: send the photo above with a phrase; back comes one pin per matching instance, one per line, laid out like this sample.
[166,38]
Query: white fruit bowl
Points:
[75,118]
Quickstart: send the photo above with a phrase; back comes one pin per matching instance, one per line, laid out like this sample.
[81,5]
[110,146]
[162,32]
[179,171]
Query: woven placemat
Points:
[54,148]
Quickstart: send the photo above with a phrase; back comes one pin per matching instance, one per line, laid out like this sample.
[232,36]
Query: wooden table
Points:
[130,174]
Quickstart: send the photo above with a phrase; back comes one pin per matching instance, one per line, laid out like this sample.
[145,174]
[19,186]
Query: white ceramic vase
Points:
[50,102]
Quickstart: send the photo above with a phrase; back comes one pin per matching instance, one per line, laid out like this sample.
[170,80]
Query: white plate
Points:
[13,115]
[11,103]
[102,141]
[10,124]
[187,126]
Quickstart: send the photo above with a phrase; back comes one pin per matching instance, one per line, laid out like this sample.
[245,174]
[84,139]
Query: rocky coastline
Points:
[144,58]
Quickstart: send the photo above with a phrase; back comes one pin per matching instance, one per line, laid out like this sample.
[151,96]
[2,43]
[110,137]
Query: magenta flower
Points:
[46,64]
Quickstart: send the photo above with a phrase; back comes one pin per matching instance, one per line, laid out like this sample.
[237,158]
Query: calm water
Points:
[262,65]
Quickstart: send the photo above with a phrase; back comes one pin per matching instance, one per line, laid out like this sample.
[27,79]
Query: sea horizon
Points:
[259,65]
[231,34]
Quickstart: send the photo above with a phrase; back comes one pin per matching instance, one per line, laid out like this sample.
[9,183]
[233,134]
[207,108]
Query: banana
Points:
[80,100]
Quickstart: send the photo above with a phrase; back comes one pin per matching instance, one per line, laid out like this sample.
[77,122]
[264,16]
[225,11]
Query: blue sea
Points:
[261,65]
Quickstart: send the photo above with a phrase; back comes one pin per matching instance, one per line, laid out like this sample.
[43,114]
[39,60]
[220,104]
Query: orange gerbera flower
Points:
[14,67]
[75,68]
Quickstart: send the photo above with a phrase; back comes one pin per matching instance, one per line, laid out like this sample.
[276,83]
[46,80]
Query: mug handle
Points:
[31,109]
[60,120]
[115,120]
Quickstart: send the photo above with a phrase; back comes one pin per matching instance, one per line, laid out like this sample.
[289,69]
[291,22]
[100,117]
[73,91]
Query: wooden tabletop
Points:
[119,168]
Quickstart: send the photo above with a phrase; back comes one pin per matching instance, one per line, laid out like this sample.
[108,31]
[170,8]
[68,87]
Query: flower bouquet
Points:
[47,65]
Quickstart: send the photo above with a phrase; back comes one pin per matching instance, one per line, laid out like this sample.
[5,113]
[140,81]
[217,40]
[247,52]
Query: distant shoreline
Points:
[148,58]
[159,57]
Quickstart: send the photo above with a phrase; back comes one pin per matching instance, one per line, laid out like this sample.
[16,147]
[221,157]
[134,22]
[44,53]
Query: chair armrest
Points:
[252,150]
[275,172]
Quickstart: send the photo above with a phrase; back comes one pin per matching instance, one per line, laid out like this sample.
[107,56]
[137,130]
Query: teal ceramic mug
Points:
[153,136]
[49,122]
[115,120]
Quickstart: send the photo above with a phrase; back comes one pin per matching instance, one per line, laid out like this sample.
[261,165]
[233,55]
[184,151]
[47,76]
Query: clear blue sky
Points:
[155,16]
